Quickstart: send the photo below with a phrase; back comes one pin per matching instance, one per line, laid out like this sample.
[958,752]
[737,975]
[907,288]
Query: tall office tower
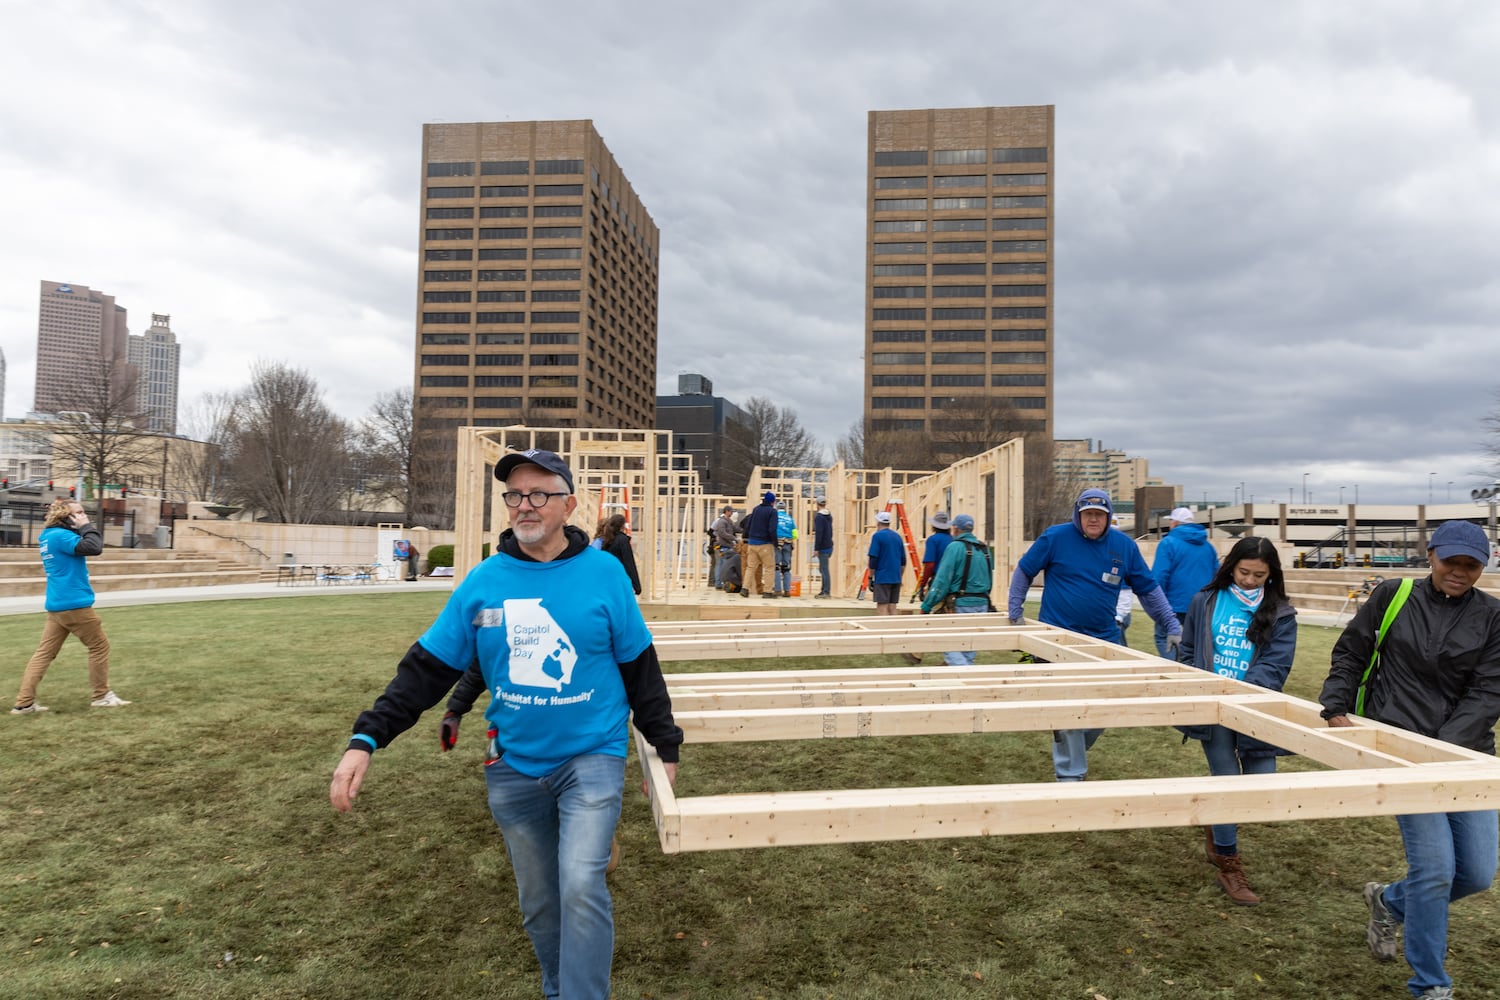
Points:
[156,354]
[538,284]
[2,385]
[80,336]
[958,276]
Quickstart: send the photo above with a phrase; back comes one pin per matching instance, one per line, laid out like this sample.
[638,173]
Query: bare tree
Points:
[210,419]
[100,426]
[289,455]
[850,449]
[384,442]
[777,437]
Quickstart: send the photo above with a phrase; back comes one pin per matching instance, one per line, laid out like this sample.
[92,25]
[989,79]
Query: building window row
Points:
[957,225]
[959,358]
[503,167]
[948,157]
[962,246]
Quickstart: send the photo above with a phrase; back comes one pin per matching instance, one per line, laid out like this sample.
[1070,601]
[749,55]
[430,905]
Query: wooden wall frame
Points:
[670,512]
[1374,769]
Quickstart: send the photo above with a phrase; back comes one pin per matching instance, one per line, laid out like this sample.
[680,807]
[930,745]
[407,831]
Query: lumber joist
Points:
[1368,769]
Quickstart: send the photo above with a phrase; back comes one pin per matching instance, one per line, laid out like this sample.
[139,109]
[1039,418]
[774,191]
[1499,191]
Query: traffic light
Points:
[72,493]
[124,492]
[5,483]
[49,484]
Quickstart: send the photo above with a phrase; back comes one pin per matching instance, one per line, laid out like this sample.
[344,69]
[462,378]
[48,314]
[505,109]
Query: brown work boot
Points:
[614,855]
[1233,881]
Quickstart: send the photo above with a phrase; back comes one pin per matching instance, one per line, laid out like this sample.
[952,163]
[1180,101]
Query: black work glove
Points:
[448,730]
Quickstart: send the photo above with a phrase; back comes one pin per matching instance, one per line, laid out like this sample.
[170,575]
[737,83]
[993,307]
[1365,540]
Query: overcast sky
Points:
[1278,224]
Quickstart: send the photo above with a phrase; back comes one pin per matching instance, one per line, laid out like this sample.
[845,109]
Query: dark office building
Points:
[710,430]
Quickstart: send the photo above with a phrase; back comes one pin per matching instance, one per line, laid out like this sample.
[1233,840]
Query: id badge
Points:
[1112,578]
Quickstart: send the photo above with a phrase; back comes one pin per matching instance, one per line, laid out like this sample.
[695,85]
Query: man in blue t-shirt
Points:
[567,659]
[1086,562]
[887,564]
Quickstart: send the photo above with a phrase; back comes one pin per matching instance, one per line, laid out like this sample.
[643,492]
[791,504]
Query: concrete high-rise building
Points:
[537,283]
[958,275]
[156,355]
[2,385]
[81,336]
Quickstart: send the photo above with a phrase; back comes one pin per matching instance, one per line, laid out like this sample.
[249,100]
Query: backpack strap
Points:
[1403,591]
[963,582]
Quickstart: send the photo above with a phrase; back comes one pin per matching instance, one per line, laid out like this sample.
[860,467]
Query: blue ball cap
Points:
[1460,538]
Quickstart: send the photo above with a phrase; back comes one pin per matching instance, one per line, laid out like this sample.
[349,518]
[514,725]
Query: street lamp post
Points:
[1341,496]
[1450,491]
[1431,477]
[1304,486]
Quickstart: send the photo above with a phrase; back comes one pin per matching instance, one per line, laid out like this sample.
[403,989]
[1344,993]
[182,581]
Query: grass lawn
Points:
[184,847]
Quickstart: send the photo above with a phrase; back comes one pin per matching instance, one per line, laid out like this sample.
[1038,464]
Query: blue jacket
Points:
[1185,564]
[760,525]
[786,528]
[1084,577]
[62,550]
[1269,664]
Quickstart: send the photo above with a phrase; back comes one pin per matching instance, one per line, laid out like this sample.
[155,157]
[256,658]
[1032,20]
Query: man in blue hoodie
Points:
[760,542]
[1086,562]
[1184,565]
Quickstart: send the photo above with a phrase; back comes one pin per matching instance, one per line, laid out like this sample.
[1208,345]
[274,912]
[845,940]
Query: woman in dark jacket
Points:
[1438,675]
[1241,626]
[616,542]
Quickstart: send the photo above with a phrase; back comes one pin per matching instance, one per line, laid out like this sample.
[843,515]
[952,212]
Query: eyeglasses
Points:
[536,498]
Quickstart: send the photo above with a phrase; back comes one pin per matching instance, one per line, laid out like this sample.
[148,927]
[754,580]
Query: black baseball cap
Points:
[550,461]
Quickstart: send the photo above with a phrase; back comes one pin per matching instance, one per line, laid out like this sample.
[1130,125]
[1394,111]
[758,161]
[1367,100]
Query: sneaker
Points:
[1233,881]
[31,709]
[1436,993]
[912,658]
[110,700]
[1381,934]
[823,596]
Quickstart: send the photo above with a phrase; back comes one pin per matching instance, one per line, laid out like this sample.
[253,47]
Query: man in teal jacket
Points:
[966,574]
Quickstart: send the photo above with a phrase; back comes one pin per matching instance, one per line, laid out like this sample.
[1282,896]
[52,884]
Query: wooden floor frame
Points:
[1374,769]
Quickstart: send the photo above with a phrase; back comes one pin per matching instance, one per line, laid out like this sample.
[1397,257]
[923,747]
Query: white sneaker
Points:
[110,700]
[31,709]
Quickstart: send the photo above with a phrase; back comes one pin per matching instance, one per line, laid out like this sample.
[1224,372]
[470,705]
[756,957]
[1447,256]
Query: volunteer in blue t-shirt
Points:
[1240,626]
[1086,562]
[567,659]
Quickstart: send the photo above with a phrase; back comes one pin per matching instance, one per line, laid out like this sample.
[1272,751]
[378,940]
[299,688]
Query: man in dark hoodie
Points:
[567,659]
[1185,563]
[1086,562]
[760,544]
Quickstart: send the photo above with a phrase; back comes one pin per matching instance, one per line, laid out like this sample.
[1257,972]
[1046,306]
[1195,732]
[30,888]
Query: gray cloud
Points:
[1275,248]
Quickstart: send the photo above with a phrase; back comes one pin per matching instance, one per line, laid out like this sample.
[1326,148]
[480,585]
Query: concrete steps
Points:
[21,573]
[1328,590]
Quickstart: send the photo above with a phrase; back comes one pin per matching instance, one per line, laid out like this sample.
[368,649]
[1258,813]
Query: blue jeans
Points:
[1448,856]
[782,582]
[1070,747]
[823,555]
[557,832]
[1224,759]
[963,658]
